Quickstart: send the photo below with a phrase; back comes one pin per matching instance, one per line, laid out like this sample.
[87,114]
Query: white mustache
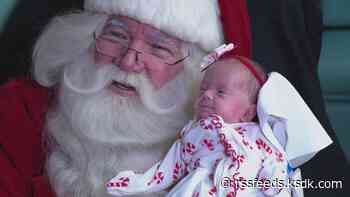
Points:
[103,76]
[95,78]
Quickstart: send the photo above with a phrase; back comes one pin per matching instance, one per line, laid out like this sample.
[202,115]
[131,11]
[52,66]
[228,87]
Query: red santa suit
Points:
[23,105]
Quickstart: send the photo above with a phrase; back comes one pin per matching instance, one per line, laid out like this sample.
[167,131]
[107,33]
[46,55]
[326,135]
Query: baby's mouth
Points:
[205,109]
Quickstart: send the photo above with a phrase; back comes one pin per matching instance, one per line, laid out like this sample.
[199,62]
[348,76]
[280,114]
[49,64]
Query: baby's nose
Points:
[209,94]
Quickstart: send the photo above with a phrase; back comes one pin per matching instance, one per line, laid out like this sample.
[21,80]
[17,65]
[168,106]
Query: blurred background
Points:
[20,26]
[334,68]
[21,21]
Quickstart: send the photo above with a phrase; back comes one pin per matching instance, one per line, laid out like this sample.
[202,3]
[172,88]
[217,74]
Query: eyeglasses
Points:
[116,44]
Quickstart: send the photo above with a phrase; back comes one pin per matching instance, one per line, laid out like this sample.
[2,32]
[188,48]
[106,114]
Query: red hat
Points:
[236,26]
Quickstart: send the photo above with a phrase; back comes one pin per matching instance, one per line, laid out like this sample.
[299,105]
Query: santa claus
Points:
[123,72]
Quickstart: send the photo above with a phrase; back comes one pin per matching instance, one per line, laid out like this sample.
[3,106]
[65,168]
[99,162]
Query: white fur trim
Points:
[196,21]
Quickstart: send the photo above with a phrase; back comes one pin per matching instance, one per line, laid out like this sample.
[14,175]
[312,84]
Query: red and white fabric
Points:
[208,152]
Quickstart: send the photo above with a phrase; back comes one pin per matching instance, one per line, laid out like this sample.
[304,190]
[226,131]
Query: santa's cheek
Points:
[158,80]
[162,74]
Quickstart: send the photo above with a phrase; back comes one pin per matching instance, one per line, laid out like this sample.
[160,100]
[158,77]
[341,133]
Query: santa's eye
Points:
[161,51]
[119,35]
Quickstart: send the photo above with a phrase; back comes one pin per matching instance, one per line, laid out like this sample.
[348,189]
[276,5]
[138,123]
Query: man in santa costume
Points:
[115,82]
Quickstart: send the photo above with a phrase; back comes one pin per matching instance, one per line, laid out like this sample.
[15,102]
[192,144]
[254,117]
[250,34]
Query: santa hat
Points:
[198,21]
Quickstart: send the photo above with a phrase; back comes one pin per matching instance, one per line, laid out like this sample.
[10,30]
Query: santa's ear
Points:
[249,114]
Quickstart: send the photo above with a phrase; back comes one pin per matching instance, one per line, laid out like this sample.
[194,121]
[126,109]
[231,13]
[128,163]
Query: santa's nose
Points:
[132,60]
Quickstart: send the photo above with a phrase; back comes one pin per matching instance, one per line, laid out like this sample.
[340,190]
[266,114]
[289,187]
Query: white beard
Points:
[92,134]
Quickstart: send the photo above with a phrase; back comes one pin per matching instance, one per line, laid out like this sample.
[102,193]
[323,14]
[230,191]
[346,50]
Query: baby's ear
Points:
[249,114]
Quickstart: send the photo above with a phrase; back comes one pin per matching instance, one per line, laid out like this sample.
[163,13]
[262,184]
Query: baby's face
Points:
[223,92]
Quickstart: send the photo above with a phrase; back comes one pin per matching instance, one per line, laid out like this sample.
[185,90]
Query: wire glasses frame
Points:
[121,49]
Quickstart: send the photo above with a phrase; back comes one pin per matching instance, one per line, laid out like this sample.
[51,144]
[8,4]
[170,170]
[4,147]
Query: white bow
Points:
[287,121]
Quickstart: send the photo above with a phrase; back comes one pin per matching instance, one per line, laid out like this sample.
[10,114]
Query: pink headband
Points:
[251,68]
